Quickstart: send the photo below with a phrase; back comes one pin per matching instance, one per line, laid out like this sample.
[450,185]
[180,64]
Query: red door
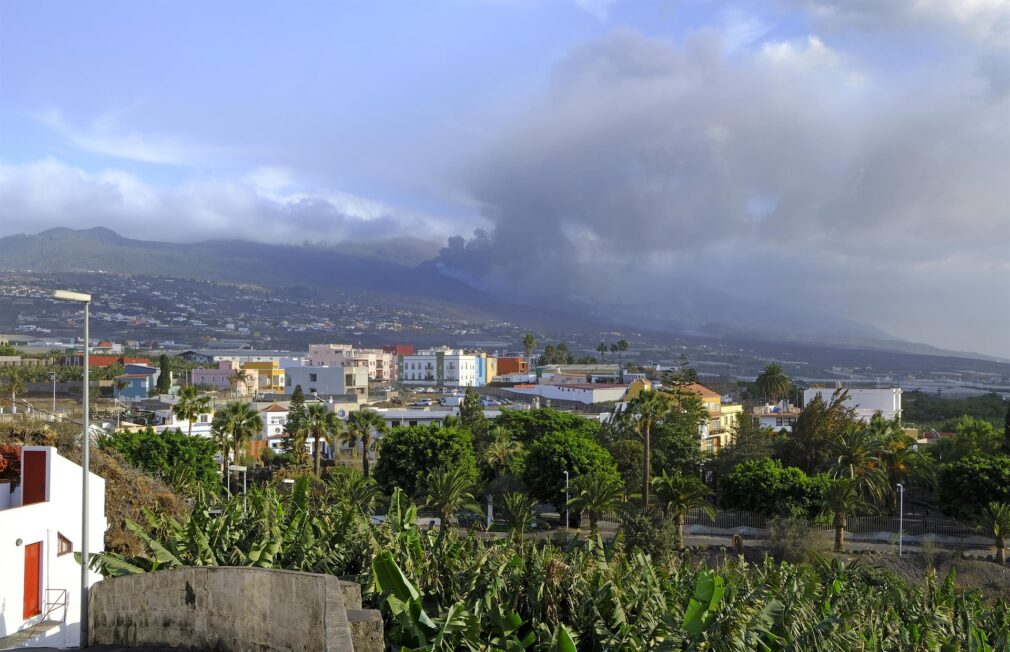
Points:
[34,477]
[33,579]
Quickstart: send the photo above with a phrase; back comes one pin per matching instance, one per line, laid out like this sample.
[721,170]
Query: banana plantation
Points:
[457,589]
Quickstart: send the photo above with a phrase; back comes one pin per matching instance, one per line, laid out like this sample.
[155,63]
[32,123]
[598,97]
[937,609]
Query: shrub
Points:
[161,453]
[530,425]
[651,532]
[766,487]
[408,452]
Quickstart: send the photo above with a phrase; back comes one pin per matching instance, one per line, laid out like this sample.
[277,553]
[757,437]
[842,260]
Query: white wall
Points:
[60,514]
[866,402]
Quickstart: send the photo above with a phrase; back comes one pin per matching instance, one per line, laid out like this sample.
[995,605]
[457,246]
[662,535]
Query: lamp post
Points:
[567,498]
[79,297]
[901,515]
[53,376]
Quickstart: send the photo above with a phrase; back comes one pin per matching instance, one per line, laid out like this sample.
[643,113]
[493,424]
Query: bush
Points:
[766,487]
[549,457]
[628,454]
[971,483]
[158,454]
[651,532]
[409,452]
[790,538]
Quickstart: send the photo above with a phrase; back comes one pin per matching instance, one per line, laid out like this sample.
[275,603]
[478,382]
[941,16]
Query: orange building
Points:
[513,365]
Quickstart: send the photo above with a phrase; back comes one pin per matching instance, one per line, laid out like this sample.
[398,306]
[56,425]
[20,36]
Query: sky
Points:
[849,157]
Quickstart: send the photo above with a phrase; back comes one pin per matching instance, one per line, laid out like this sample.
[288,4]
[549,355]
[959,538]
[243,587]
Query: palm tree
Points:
[529,344]
[679,494]
[596,493]
[904,464]
[602,348]
[996,519]
[502,451]
[236,424]
[448,491]
[237,377]
[648,407]
[190,406]
[13,384]
[773,383]
[319,423]
[857,454]
[841,499]
[347,484]
[519,508]
[362,425]
[622,346]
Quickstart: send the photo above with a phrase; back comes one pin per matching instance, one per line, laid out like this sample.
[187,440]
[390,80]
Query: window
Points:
[778,422]
[313,378]
[312,390]
[64,546]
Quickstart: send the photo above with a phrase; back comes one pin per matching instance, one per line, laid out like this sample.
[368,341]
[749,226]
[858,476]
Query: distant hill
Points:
[404,271]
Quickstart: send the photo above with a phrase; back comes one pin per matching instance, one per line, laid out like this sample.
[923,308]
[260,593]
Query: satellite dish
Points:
[341,413]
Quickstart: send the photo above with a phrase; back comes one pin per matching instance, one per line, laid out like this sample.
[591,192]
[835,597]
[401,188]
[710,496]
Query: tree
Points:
[190,405]
[764,486]
[648,407]
[448,491]
[239,377]
[595,494]
[750,441]
[622,346]
[320,423]
[996,519]
[364,425]
[601,348]
[520,510]
[529,344]
[971,437]
[233,426]
[842,498]
[967,485]
[528,426]
[409,452]
[13,384]
[502,453]
[349,486]
[295,431]
[819,422]
[471,415]
[903,463]
[677,495]
[627,454]
[550,456]
[773,383]
[1006,429]
[164,383]
[159,453]
[856,454]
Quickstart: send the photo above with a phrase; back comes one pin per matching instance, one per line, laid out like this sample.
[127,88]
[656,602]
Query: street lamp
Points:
[243,470]
[53,378]
[79,297]
[567,508]
[901,515]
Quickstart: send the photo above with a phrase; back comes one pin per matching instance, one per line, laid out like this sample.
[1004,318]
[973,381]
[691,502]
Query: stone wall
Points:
[233,609]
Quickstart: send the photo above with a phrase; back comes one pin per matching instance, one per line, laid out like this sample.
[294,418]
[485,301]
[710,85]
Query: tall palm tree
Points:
[190,406]
[622,346]
[448,491]
[996,519]
[13,384]
[602,348]
[501,452]
[679,494]
[841,499]
[647,408]
[857,455]
[320,423]
[233,426]
[239,377]
[595,493]
[902,463]
[362,425]
[529,344]
[348,485]
[773,383]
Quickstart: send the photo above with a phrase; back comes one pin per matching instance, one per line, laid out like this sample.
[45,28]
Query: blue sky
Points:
[860,146]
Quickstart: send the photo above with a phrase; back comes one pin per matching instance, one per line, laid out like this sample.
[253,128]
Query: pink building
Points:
[381,364]
[223,378]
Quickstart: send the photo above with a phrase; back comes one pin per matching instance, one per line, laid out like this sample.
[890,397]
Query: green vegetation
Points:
[180,459]
[550,456]
[764,486]
[773,384]
[411,452]
[930,411]
[971,483]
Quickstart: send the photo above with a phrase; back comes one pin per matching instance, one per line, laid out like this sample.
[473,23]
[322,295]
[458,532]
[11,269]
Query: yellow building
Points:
[271,376]
[722,417]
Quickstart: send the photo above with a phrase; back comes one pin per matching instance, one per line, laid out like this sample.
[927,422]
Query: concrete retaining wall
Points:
[230,609]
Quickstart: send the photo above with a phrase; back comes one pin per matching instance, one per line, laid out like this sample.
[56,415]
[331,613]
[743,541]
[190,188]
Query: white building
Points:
[587,393]
[275,417]
[381,364]
[780,416]
[40,530]
[866,402]
[327,381]
[443,367]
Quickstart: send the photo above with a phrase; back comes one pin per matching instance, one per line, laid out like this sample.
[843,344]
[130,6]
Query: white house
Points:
[780,416]
[443,367]
[327,381]
[587,393]
[274,417]
[866,402]
[40,529]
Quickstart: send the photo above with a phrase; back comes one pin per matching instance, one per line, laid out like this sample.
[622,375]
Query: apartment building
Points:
[444,367]
[381,364]
[328,381]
